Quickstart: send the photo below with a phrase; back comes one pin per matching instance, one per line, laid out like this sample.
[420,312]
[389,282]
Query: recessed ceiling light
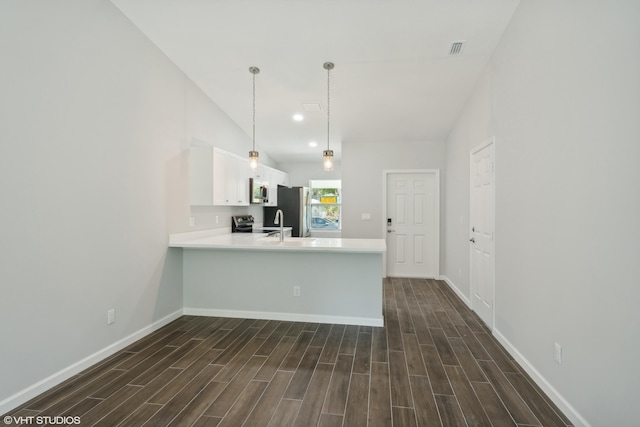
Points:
[298,117]
[313,144]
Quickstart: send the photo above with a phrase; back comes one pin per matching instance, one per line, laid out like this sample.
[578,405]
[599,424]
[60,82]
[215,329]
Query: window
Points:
[325,204]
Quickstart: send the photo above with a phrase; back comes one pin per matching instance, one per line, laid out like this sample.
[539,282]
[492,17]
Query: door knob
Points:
[390,231]
[472,240]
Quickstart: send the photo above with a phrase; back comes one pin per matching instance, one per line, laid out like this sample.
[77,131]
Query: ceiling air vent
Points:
[456,48]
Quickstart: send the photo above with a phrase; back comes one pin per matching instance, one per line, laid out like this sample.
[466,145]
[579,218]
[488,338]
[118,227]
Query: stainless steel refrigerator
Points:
[294,202]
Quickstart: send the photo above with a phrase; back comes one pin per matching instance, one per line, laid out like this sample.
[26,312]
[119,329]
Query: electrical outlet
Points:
[557,353]
[111,316]
[216,219]
[296,291]
[192,221]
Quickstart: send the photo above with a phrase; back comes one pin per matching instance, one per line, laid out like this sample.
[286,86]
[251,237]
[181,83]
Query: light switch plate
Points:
[365,216]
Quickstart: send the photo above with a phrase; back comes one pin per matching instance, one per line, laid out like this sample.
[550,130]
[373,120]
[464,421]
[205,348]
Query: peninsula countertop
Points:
[259,242]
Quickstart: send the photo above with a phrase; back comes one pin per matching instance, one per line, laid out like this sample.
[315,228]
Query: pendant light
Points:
[328,153]
[253,154]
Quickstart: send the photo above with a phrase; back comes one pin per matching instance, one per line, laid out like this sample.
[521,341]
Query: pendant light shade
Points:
[253,154]
[327,154]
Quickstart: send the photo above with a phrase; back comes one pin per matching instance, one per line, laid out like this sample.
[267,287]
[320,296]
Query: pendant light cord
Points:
[254,112]
[328,102]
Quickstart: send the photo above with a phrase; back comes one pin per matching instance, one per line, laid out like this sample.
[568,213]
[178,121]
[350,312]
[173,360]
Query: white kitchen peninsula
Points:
[251,276]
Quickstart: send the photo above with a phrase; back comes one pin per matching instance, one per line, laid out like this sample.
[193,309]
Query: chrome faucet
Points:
[279,219]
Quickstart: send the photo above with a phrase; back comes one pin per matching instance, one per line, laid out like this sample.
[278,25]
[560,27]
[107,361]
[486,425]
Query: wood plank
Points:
[239,360]
[404,316]
[169,391]
[404,417]
[379,396]
[148,375]
[225,400]
[445,351]
[379,345]
[497,353]
[415,364]
[285,413]
[349,339]
[437,376]
[266,406]
[362,360]
[332,345]
[270,366]
[238,345]
[321,335]
[447,325]
[107,405]
[493,406]
[273,340]
[474,345]
[78,395]
[302,376]
[129,407]
[514,403]
[356,412]
[197,406]
[298,350]
[399,380]
[206,421]
[243,405]
[238,331]
[424,403]
[467,361]
[545,410]
[309,413]
[471,408]
[141,415]
[339,386]
[330,420]
[182,398]
[449,410]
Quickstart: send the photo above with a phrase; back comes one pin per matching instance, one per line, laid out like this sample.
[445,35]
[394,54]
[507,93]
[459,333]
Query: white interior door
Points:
[413,229]
[482,231]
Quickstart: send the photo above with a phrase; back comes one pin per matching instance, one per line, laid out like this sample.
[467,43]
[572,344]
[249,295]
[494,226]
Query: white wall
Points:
[94,126]
[300,173]
[562,97]
[362,179]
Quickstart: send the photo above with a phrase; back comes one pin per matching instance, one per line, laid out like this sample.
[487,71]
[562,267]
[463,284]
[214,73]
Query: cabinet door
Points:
[271,180]
[242,181]
[219,177]
[237,180]
[200,176]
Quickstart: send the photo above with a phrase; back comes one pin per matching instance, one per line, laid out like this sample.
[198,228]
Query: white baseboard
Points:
[41,386]
[575,417]
[455,289]
[289,317]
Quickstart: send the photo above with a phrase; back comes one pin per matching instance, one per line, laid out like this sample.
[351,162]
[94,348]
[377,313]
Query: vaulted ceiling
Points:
[394,78]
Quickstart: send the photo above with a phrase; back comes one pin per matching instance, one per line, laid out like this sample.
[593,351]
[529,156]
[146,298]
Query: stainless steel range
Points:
[242,224]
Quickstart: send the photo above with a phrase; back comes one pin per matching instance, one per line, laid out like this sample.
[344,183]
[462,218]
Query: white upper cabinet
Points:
[272,178]
[217,177]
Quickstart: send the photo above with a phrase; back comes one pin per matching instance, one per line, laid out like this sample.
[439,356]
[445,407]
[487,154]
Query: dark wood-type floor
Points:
[432,364]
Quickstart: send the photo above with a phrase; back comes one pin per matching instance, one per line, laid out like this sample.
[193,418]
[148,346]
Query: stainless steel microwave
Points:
[259,191]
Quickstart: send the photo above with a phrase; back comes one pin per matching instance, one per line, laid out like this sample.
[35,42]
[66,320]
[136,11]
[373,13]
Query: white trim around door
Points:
[482,230]
[430,249]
